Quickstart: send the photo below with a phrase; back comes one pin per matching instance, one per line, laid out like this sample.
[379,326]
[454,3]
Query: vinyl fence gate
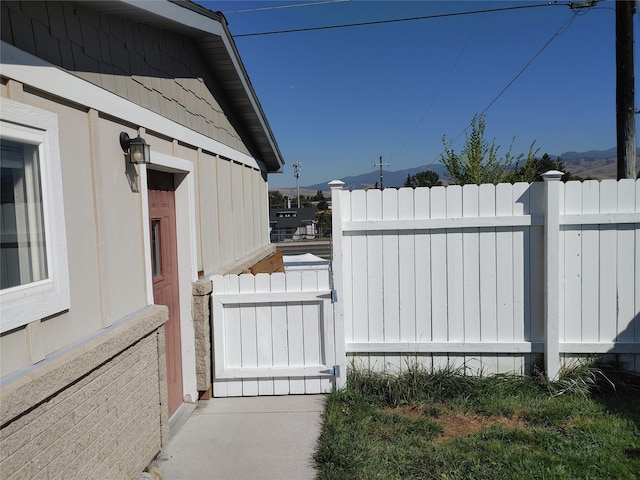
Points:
[275,335]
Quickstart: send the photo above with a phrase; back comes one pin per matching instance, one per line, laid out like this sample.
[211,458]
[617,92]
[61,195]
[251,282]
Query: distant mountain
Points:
[597,164]
[594,164]
[389,178]
[594,154]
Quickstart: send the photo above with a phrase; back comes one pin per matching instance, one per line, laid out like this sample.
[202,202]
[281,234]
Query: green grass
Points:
[444,425]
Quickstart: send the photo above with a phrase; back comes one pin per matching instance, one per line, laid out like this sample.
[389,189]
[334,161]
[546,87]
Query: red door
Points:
[164,267]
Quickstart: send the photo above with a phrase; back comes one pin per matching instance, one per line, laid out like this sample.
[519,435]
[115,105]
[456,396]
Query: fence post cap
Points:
[336,184]
[552,175]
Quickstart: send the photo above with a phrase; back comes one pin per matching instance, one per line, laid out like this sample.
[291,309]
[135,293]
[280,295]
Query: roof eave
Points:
[211,34]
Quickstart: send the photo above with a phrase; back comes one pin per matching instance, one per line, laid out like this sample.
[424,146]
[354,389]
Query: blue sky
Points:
[338,99]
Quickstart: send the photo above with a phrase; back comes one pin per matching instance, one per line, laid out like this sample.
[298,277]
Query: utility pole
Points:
[296,173]
[625,97]
[380,164]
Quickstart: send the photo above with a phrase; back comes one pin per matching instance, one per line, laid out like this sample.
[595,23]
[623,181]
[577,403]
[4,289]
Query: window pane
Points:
[22,238]
[155,248]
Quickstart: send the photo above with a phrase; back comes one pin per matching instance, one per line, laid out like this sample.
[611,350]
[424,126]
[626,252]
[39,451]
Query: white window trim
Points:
[27,303]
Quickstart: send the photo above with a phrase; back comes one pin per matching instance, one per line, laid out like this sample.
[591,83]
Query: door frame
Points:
[183,170]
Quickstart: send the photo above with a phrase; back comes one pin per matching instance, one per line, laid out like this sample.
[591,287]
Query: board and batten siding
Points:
[455,276]
[231,199]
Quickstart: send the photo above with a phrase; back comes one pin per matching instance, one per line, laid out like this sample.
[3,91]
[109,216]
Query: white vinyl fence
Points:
[489,277]
[274,334]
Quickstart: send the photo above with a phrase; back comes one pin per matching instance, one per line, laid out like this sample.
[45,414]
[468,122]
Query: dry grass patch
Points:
[455,424]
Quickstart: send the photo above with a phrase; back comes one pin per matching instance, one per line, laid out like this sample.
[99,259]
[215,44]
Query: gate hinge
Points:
[334,296]
[335,370]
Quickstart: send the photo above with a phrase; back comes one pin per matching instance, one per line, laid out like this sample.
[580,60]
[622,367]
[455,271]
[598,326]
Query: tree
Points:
[304,201]
[478,162]
[323,205]
[318,197]
[428,178]
[533,169]
[324,223]
[276,199]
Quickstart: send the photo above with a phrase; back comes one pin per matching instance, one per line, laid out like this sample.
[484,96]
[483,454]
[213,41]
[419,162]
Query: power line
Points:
[396,20]
[553,37]
[444,82]
[558,33]
[277,7]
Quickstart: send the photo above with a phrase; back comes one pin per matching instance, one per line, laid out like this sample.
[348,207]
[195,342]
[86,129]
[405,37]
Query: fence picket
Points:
[471,266]
[571,321]
[536,265]
[590,251]
[628,317]
[374,265]
[439,268]
[359,254]
[520,202]
[265,334]
[248,336]
[454,268]
[280,333]
[488,266]
[407,262]
[390,255]
[608,293]
[233,337]
[423,269]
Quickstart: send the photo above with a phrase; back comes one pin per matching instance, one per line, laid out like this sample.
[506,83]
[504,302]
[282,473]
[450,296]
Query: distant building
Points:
[292,223]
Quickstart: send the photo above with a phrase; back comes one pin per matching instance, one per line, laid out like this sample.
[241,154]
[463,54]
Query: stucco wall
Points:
[156,69]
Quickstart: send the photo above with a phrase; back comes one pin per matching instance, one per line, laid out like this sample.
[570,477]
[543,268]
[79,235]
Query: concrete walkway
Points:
[258,438]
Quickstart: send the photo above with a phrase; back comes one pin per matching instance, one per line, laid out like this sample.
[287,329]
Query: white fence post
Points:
[552,274]
[336,276]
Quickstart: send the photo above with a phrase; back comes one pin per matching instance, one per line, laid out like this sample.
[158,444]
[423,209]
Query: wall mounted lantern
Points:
[137,148]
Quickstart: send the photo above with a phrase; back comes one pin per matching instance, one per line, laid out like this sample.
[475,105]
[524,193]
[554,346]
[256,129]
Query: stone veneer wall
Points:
[96,411]
[200,309]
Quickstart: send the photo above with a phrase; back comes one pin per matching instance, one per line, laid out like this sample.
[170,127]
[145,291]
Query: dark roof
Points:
[210,33]
[302,216]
